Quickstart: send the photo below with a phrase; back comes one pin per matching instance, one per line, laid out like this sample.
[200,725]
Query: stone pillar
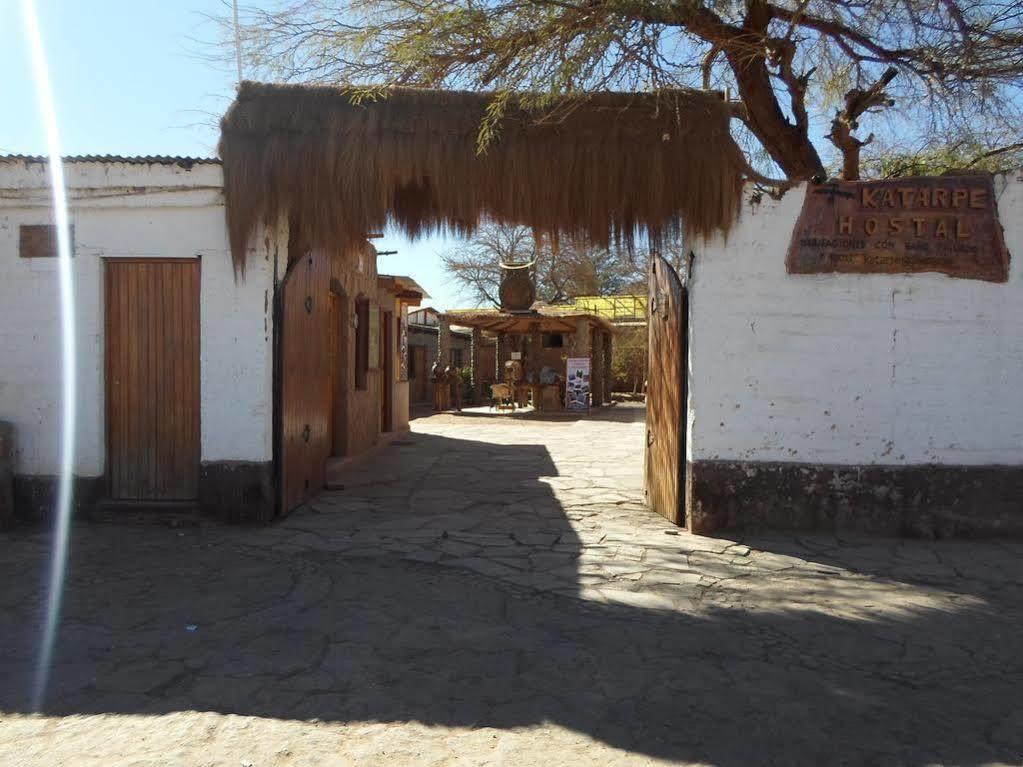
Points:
[535,347]
[597,370]
[477,381]
[583,346]
[501,355]
[581,343]
[443,342]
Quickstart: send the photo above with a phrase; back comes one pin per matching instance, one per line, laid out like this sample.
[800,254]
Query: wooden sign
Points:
[946,224]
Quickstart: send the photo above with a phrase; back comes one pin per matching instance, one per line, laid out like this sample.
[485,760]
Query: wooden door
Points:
[666,392]
[386,370]
[152,378]
[305,379]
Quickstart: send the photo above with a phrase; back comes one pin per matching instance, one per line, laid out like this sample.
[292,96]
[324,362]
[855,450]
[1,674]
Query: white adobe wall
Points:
[852,369]
[123,210]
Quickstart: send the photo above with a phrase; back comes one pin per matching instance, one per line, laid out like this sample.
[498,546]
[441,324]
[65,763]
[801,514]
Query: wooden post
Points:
[609,382]
[475,349]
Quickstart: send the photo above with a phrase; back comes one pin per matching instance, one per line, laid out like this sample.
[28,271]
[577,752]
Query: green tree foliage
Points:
[628,359]
[946,68]
[938,158]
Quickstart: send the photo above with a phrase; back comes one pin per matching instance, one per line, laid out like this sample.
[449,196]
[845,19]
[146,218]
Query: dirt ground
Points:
[492,591]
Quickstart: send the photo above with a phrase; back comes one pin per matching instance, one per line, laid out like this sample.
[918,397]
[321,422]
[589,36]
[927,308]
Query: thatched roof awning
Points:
[402,286]
[607,167]
[547,319]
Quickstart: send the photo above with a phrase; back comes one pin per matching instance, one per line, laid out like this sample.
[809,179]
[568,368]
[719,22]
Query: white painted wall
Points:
[852,369]
[122,210]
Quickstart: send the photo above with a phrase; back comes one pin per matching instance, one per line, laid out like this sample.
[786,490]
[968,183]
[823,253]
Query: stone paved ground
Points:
[491,591]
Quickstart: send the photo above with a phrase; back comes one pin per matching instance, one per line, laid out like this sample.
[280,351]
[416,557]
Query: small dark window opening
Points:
[553,340]
[361,342]
[456,358]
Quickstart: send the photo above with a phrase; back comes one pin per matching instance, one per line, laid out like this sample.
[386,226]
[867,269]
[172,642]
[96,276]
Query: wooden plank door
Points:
[666,392]
[152,378]
[305,379]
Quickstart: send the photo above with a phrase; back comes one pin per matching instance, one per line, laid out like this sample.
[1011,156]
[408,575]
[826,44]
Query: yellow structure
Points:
[624,309]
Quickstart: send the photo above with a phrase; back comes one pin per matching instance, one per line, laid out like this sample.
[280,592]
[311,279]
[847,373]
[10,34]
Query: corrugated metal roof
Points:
[113,159]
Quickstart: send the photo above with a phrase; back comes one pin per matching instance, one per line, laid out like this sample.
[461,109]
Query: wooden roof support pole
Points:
[502,355]
[474,351]
[535,345]
[609,352]
[443,342]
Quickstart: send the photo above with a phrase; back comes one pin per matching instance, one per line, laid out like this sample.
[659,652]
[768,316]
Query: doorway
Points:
[386,371]
[305,396]
[152,378]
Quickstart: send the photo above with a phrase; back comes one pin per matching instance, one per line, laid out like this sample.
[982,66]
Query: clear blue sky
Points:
[131,77]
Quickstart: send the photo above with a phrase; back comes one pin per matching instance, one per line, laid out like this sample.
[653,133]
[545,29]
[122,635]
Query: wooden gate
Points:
[666,392]
[152,378]
[305,404]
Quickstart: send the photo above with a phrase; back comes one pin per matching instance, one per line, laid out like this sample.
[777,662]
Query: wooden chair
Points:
[502,396]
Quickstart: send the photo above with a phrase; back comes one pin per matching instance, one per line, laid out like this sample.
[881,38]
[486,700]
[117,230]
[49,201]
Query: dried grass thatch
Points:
[610,167]
[543,316]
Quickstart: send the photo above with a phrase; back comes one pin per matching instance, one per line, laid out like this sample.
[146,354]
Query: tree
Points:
[628,359]
[573,269]
[943,67]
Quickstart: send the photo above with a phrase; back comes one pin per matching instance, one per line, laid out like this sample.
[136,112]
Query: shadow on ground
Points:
[225,620]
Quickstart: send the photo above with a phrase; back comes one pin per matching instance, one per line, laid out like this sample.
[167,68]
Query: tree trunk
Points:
[789,145]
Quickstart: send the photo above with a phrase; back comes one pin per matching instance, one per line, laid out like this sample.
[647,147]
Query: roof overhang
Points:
[500,322]
[602,167]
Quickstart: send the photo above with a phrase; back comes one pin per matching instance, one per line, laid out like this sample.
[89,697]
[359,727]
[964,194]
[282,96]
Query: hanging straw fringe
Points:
[608,168]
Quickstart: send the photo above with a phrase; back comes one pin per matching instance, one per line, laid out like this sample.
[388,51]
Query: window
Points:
[456,358]
[553,340]
[361,341]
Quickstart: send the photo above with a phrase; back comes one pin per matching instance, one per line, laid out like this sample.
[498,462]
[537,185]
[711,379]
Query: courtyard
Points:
[493,590]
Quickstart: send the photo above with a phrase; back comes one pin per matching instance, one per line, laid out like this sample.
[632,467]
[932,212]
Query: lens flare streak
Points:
[69,386]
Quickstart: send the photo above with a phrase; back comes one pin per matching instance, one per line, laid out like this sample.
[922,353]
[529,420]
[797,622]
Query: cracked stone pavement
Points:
[491,590]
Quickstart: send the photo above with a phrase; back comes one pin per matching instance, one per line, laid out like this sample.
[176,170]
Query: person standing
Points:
[455,386]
